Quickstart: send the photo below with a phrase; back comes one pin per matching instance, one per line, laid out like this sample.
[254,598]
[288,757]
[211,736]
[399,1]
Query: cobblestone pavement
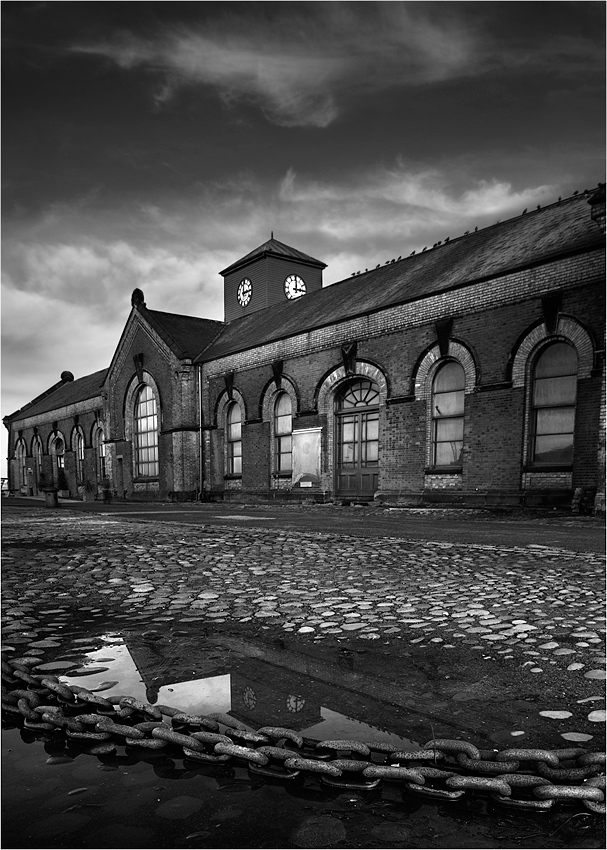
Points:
[532,610]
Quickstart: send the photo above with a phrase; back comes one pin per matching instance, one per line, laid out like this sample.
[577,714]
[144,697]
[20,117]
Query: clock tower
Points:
[273,273]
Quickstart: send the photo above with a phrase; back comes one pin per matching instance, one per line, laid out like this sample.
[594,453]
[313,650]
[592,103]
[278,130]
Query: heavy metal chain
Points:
[441,770]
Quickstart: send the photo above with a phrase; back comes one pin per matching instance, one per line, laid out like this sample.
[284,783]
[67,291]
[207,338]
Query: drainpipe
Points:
[200,458]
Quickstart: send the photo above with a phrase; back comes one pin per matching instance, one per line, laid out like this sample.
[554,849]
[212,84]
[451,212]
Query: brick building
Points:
[470,373]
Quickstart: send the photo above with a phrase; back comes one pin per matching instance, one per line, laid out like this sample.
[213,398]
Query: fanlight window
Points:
[146,433]
[360,394]
[553,406]
[448,415]
[283,427]
[234,439]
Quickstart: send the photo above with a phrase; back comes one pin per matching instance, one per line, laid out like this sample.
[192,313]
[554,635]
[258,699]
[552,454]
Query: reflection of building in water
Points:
[184,660]
[264,684]
[263,694]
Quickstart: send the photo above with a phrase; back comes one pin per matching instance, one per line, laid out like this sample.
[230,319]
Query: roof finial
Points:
[271,234]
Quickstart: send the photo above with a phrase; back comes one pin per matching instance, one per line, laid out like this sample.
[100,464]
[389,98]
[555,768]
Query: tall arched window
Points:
[146,433]
[283,427]
[99,446]
[58,456]
[234,439]
[78,447]
[37,458]
[553,406]
[20,456]
[448,415]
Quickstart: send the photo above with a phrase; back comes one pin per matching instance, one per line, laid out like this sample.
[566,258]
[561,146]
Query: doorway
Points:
[357,440]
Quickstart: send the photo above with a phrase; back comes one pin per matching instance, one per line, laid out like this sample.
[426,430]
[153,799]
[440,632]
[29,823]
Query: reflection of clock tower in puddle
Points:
[264,695]
[272,274]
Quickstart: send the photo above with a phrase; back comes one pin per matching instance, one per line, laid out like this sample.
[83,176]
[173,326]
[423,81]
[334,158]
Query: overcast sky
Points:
[152,144]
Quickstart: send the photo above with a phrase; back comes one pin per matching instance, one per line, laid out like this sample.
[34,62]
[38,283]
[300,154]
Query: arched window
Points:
[283,427]
[37,458]
[99,446]
[78,447]
[234,439]
[448,415]
[553,406]
[146,433]
[58,456]
[20,456]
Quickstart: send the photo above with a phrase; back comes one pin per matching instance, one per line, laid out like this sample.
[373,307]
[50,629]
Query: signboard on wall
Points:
[306,457]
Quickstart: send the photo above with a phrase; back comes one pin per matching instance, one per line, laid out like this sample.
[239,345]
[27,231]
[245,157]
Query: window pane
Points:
[553,391]
[559,420]
[448,404]
[371,426]
[348,432]
[449,377]
[559,359]
[283,405]
[554,449]
[448,454]
[370,452]
[450,429]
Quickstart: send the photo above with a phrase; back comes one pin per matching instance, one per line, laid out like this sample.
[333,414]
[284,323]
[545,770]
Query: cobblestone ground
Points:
[534,612]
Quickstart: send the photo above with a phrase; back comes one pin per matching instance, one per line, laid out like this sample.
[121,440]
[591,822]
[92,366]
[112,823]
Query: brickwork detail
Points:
[442,482]
[568,330]
[431,362]
[546,480]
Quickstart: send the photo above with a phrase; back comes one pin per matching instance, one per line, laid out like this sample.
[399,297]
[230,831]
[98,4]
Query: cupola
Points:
[274,273]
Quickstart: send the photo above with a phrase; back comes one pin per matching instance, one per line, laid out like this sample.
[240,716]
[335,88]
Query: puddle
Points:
[56,795]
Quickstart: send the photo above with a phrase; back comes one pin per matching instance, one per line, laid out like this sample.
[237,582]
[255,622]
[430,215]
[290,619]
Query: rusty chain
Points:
[441,770]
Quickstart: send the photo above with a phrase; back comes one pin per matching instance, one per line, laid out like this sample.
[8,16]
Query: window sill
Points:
[444,470]
[288,474]
[549,468]
[232,477]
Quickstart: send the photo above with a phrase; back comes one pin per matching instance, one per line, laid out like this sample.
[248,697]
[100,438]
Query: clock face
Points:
[249,698]
[294,287]
[245,288]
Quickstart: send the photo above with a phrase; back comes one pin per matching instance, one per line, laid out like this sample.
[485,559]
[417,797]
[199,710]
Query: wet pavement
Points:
[501,645]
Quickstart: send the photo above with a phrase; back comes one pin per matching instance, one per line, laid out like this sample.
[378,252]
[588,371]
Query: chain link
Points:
[47,705]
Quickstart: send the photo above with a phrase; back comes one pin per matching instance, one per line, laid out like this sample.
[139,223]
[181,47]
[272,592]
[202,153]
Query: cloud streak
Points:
[299,67]
[303,65]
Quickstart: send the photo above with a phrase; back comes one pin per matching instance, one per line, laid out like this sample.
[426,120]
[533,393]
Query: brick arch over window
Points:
[272,391]
[129,402]
[221,406]
[334,379]
[568,330]
[422,379]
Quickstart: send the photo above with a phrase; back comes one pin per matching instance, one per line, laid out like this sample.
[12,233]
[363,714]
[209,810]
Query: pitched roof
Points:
[556,230]
[62,395]
[274,248]
[187,336]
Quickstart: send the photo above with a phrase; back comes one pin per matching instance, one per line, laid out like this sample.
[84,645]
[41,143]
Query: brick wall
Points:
[489,320]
